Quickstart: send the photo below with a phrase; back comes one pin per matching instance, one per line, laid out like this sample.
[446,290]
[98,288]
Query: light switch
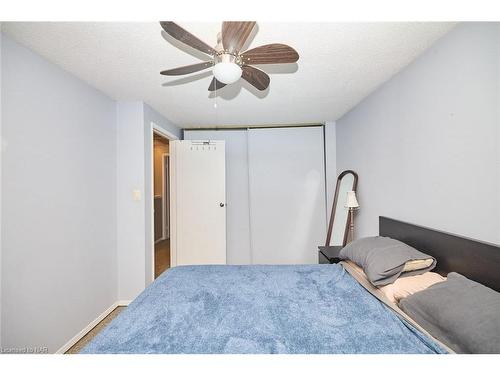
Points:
[137,195]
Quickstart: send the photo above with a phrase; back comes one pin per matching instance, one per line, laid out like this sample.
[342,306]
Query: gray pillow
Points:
[459,312]
[383,259]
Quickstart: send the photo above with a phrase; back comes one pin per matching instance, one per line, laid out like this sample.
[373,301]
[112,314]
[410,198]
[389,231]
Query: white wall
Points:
[426,144]
[59,207]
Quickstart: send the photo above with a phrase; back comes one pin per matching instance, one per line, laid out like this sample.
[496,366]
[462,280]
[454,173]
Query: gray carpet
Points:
[75,349]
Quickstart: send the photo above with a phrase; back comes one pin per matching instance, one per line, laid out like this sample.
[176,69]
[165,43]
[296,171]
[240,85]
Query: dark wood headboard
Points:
[476,260]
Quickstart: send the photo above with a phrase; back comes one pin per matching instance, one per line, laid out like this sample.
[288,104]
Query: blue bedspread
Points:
[258,309]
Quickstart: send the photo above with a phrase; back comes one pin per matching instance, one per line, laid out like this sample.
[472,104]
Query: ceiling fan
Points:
[227,61]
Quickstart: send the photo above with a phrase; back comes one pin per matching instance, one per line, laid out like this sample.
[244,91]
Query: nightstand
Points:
[329,254]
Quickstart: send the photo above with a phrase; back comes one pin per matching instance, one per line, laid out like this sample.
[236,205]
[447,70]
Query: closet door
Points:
[287,194]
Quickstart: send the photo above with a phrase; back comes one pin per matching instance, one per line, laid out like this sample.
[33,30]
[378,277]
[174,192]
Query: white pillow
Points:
[417,264]
[404,286]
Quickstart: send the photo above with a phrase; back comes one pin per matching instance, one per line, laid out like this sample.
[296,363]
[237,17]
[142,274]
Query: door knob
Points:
[221,204]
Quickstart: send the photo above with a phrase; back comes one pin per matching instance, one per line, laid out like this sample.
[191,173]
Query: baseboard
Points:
[63,349]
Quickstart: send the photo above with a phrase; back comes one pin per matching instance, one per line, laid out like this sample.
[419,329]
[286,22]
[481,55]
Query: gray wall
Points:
[1,142]
[330,165]
[134,161]
[59,206]
[150,115]
[130,213]
[426,144]
[73,240]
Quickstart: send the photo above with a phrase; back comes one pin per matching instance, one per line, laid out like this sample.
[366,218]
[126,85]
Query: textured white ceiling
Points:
[339,65]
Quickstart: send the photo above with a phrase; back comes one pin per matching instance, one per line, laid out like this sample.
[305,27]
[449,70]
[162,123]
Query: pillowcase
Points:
[384,259]
[404,286]
[459,312]
[418,264]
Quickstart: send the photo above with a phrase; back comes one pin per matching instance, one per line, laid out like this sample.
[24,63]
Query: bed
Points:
[288,309]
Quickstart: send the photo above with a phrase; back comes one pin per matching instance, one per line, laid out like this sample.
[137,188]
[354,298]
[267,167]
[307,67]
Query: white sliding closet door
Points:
[287,194]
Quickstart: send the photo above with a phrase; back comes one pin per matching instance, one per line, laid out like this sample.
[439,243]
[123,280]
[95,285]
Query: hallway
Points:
[162,256]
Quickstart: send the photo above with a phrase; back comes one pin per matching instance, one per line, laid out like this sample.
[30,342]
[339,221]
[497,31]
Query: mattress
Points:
[260,309]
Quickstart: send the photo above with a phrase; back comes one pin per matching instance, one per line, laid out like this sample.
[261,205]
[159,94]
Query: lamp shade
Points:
[227,72]
[351,202]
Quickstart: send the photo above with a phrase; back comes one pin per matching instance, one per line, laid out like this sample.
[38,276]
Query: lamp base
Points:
[351,223]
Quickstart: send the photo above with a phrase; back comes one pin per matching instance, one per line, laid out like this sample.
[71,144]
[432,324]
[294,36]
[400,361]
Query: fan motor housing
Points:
[227,57]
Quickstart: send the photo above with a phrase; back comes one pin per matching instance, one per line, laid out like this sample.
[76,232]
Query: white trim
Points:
[171,137]
[63,349]
[165,227]
[163,132]
[164,192]
[172,147]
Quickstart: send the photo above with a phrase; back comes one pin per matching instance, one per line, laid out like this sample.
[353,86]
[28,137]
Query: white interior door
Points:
[198,202]
[237,212]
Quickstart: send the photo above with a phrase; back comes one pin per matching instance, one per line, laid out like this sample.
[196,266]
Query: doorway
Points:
[161,199]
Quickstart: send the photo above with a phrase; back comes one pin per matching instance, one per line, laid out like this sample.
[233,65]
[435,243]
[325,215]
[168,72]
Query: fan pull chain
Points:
[215,106]
[215,99]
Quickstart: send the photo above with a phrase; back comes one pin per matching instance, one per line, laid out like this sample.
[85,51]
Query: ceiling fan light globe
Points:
[227,72]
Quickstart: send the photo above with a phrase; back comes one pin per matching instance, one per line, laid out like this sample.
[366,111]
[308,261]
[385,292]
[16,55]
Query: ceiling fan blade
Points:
[187,69]
[255,77]
[270,54]
[235,34]
[186,37]
[213,84]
